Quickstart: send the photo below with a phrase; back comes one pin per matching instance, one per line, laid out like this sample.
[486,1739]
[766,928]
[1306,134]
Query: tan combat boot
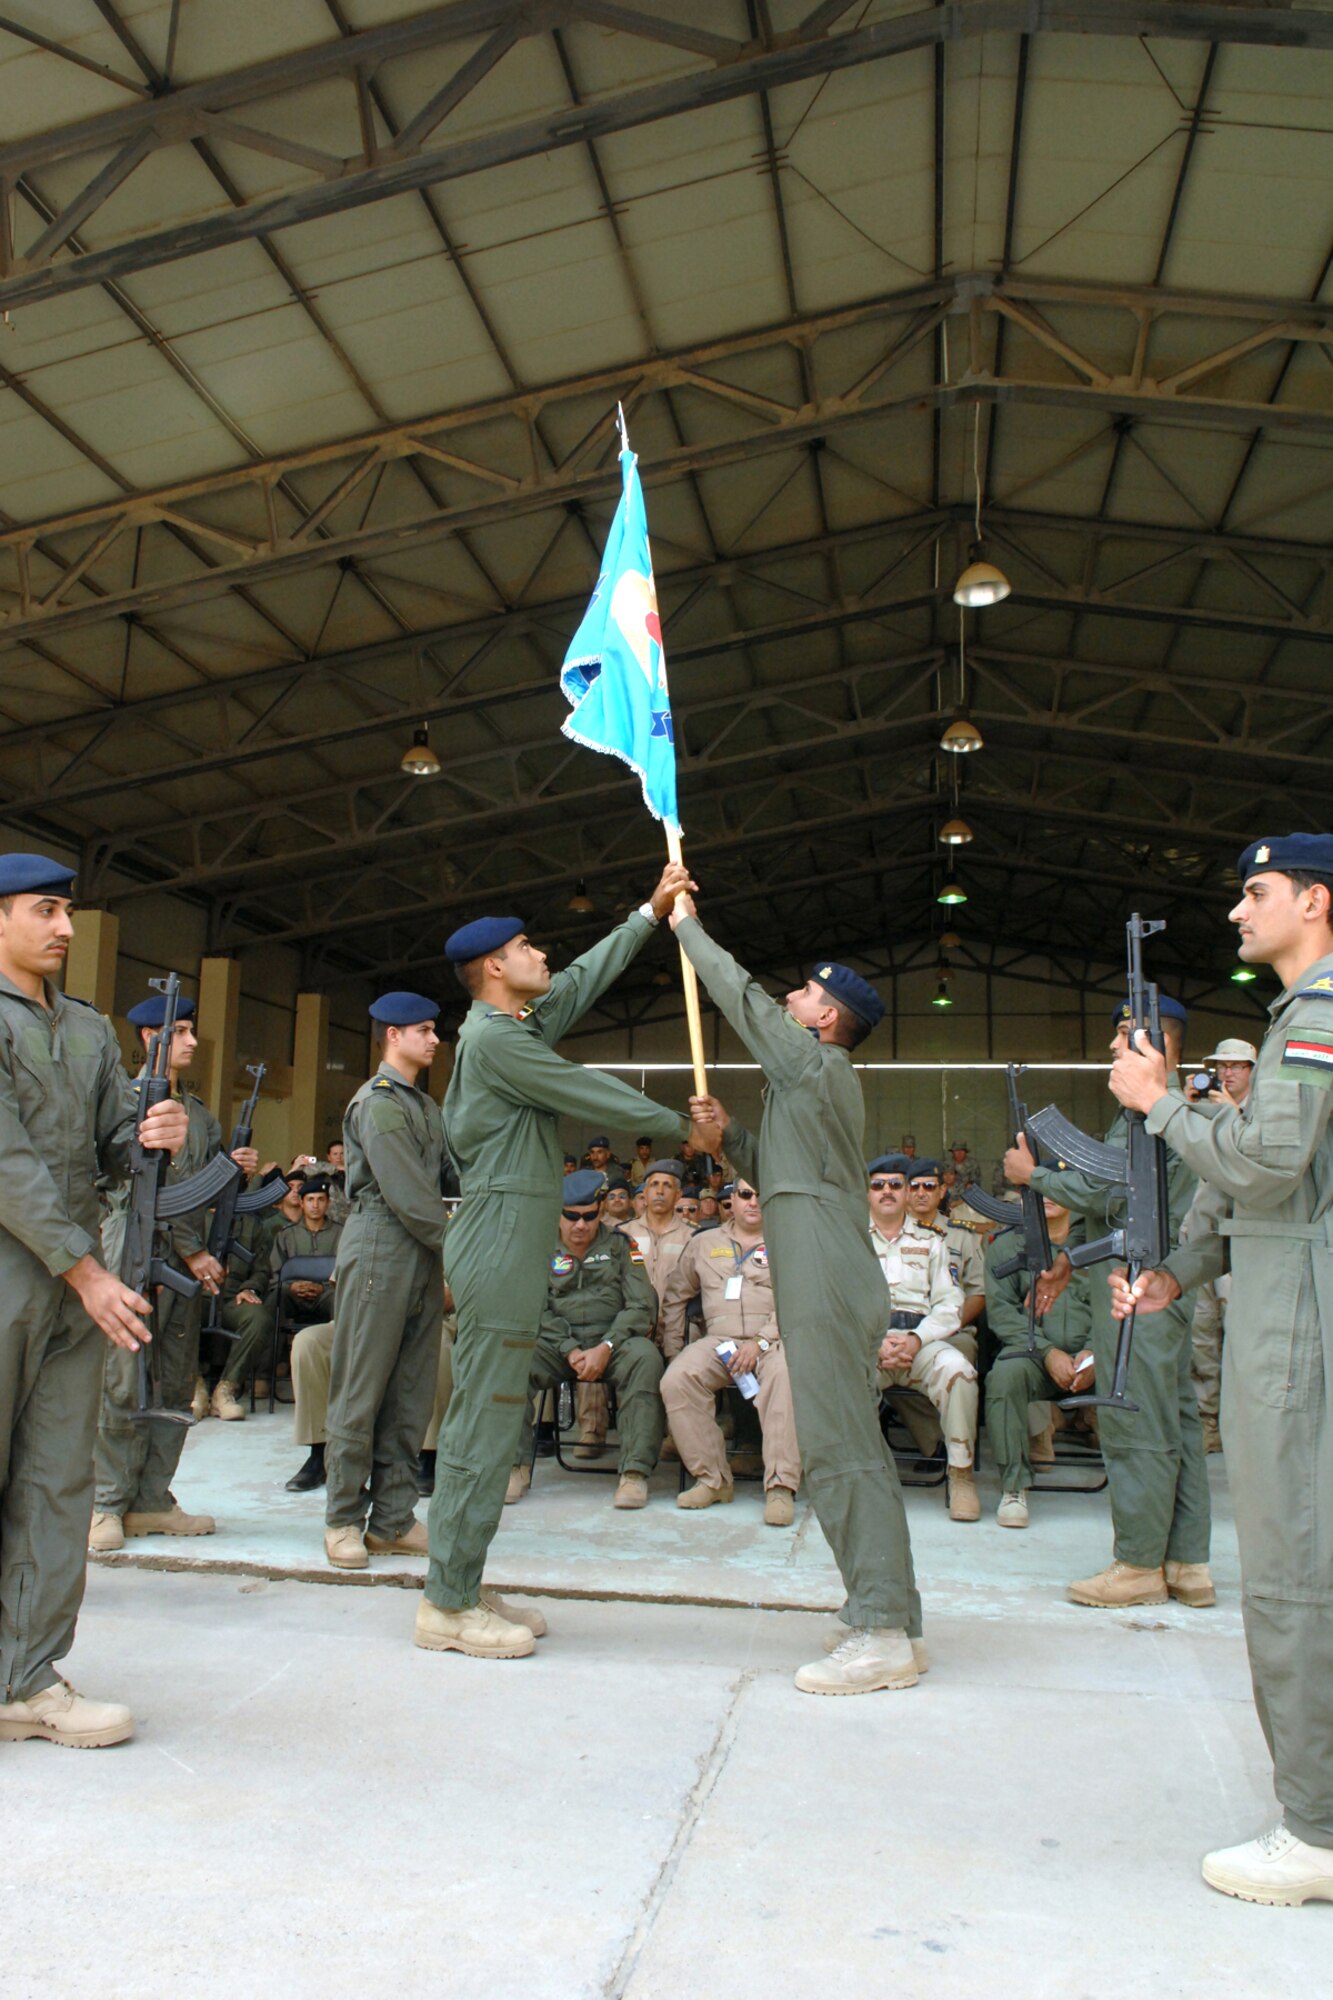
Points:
[346,1548]
[1118,1585]
[1212,1440]
[106,1534]
[59,1715]
[779,1507]
[700,1495]
[590,1446]
[477,1631]
[920,1657]
[1041,1446]
[172,1521]
[224,1403]
[861,1662]
[964,1502]
[1012,1511]
[199,1400]
[631,1491]
[1275,1868]
[1191,1583]
[514,1614]
[412,1542]
[520,1479]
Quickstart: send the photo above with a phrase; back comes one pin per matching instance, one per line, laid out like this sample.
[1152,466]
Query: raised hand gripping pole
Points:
[693,1017]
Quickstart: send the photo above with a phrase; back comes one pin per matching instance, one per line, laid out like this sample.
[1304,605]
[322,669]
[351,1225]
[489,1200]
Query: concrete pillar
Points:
[310,1058]
[90,968]
[219,1006]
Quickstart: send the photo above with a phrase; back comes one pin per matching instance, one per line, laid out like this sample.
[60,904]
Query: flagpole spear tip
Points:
[620,419]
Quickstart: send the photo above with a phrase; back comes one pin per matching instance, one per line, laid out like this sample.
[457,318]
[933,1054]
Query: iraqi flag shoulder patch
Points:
[1311,1055]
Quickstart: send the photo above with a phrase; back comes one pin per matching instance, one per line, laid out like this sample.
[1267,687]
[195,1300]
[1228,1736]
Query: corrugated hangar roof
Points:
[316,319]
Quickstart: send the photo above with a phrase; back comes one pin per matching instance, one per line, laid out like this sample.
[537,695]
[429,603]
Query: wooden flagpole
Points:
[694,1019]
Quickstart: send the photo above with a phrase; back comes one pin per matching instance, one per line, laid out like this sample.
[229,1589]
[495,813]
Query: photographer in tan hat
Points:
[1232,1064]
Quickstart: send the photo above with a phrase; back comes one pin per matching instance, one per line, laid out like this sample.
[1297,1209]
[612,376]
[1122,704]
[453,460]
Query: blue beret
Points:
[31,874]
[924,1170]
[588,1185]
[673,1167]
[315,1184]
[891,1163]
[1310,853]
[474,940]
[848,987]
[600,1142]
[1169,1009]
[619,1186]
[151,1013]
[403,1010]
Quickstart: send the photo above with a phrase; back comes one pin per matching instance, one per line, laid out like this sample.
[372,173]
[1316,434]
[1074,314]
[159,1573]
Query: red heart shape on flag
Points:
[654,624]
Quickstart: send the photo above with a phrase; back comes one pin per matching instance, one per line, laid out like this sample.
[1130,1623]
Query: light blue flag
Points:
[614,676]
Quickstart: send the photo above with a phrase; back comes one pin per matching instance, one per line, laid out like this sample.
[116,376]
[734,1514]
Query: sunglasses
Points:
[924,1187]
[745,1194]
[877,1187]
[579,1214]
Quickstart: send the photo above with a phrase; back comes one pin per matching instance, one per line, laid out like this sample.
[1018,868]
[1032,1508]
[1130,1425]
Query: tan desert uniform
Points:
[1267,1199]
[707,1269]
[66,1114]
[136,1462]
[915,1264]
[661,1253]
[312,1355]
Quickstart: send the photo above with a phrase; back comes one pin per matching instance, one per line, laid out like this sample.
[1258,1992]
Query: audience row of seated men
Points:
[648,1281]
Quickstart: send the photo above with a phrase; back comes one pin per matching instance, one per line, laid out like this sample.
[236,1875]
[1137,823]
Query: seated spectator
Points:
[660,1234]
[687,1206]
[311,1235]
[638,1166]
[1016,1382]
[312,1362]
[571,1163]
[618,1203]
[710,1214]
[967,1250]
[334,1170]
[925,1307]
[244,1312]
[598,1156]
[597,1326]
[726,1269]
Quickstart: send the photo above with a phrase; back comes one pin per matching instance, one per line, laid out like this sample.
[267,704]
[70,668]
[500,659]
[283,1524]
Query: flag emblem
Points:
[614,676]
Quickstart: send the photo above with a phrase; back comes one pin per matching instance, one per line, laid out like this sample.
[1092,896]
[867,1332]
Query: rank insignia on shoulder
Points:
[1323,988]
[1313,1058]
[381,1083]
[562,1263]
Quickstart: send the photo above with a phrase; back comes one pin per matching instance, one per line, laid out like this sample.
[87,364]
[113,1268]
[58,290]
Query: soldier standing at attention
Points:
[1267,1195]
[809,1170]
[1161,1510]
[389,1296]
[501,1116]
[136,1462]
[66,1115]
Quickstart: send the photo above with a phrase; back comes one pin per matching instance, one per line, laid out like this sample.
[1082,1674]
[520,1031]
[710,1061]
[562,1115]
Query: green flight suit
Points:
[388,1304]
[136,1463]
[1267,1197]
[832,1301]
[604,1295]
[1014,1380]
[506,1096]
[1156,1472]
[66,1115]
[251,1324]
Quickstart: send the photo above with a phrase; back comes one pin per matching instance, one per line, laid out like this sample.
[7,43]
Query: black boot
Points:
[311,1473]
[546,1440]
[426,1474]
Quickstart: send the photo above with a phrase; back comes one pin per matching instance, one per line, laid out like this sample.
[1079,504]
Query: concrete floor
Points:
[646,1809]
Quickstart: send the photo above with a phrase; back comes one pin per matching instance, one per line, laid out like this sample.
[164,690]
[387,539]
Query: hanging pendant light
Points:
[580,902]
[951,894]
[419,760]
[942,997]
[1243,975]
[955,833]
[981,583]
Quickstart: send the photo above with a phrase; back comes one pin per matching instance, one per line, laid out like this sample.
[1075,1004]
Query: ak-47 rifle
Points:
[238,1199]
[153,1201]
[1035,1255]
[1144,1238]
